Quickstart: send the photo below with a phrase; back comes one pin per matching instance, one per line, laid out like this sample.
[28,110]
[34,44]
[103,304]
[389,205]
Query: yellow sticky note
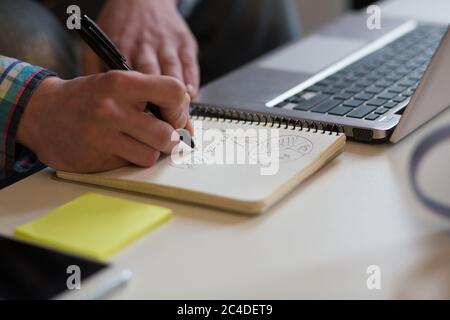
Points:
[94,225]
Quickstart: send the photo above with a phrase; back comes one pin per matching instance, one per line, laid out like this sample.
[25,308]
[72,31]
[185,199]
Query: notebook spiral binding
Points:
[203,112]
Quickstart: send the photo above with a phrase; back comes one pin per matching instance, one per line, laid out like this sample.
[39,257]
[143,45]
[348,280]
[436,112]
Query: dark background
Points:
[359,4]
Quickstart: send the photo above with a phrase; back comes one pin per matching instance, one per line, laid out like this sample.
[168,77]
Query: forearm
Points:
[18,80]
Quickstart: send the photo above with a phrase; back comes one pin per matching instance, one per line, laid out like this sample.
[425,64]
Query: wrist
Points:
[43,97]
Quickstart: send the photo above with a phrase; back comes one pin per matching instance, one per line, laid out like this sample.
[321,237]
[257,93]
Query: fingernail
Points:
[176,137]
[190,89]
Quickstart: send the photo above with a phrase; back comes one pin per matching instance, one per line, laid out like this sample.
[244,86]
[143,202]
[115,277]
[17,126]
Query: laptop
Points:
[374,85]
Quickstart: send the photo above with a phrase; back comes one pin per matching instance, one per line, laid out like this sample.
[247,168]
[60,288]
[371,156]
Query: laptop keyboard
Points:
[370,87]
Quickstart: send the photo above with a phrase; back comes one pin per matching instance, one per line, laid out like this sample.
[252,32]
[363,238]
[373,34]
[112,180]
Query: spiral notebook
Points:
[279,157]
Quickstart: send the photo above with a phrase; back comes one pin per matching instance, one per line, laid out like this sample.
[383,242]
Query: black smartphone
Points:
[33,272]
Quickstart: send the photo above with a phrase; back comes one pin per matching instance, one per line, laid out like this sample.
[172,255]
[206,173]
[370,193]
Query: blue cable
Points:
[419,153]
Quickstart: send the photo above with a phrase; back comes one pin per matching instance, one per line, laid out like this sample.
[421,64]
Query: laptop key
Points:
[416,76]
[340,110]
[361,112]
[353,89]
[393,76]
[384,83]
[363,83]
[342,84]
[402,71]
[396,89]
[374,89]
[399,99]
[390,105]
[353,103]
[387,95]
[351,77]
[373,76]
[376,102]
[294,99]
[312,102]
[372,117]
[343,96]
[281,104]
[331,90]
[408,93]
[326,106]
[364,96]
[414,87]
[383,71]
[381,110]
[306,95]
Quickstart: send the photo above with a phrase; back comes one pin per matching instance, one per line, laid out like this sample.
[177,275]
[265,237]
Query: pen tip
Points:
[186,138]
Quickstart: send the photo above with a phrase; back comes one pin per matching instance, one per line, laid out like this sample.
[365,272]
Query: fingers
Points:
[170,62]
[177,114]
[189,127]
[181,64]
[136,152]
[136,87]
[167,93]
[152,132]
[191,70]
[146,61]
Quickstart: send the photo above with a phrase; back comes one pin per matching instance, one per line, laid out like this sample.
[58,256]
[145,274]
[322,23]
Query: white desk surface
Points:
[317,243]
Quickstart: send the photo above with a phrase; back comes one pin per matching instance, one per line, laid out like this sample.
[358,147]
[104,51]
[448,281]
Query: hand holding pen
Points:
[99,42]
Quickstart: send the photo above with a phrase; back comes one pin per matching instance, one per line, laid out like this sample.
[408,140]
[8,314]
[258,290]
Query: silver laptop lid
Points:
[432,95]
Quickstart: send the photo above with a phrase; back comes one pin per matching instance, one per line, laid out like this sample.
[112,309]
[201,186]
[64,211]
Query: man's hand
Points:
[154,38]
[97,123]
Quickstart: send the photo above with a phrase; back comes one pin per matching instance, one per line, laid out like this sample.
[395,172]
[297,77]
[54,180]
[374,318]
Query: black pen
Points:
[111,56]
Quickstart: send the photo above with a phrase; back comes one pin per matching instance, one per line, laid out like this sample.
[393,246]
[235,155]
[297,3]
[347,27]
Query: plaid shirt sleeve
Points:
[18,80]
